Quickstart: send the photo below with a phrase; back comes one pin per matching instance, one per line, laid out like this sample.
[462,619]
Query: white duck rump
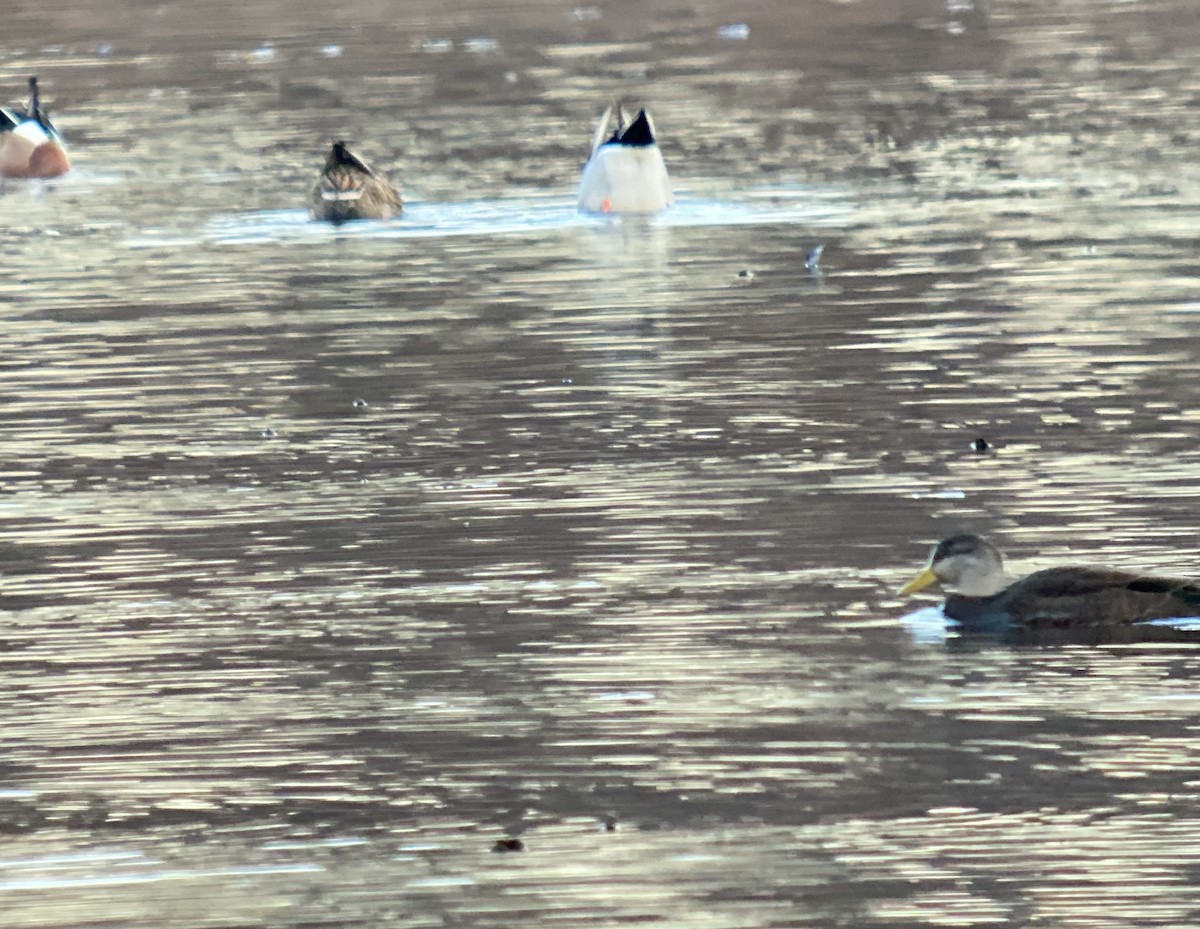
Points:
[625,173]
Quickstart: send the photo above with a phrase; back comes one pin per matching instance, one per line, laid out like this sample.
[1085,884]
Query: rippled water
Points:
[329,558]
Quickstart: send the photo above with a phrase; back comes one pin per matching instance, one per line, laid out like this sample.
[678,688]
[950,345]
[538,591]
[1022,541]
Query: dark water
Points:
[329,558]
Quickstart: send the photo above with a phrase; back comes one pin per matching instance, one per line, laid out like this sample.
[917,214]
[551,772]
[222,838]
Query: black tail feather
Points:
[638,132]
[340,154]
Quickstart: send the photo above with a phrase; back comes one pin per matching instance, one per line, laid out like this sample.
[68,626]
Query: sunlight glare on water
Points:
[331,558]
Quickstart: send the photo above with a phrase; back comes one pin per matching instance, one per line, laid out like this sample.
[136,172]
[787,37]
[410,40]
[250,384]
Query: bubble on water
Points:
[360,403]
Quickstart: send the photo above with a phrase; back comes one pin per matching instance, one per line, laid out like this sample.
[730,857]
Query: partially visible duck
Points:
[30,146]
[1069,601]
[349,188]
[625,173]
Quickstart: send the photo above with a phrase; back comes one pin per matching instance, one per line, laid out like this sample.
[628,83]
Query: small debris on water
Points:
[508,845]
[812,261]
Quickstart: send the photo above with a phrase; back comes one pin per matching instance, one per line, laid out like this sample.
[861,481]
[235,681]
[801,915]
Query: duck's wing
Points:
[1089,596]
[9,119]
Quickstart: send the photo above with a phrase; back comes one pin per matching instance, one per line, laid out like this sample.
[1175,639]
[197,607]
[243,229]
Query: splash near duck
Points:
[625,173]
[30,146]
[349,189]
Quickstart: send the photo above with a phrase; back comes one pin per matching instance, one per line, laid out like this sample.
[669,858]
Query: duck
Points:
[1089,600]
[30,146]
[625,173]
[349,189]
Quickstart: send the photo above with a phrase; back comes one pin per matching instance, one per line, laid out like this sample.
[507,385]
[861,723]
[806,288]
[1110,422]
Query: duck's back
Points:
[1080,597]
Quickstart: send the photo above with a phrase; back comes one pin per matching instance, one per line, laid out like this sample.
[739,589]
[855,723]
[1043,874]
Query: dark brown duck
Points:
[350,189]
[971,570]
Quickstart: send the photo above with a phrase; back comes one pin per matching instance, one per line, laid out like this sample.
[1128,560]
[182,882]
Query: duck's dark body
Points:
[1074,602]
[1058,605]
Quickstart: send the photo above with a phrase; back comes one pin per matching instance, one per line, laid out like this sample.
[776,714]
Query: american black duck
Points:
[1095,603]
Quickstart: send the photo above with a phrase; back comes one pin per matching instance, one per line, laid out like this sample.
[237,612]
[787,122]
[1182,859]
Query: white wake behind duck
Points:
[625,173]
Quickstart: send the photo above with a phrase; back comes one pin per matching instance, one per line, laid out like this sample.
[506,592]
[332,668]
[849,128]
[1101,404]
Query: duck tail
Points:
[341,155]
[35,108]
[640,131]
[37,114]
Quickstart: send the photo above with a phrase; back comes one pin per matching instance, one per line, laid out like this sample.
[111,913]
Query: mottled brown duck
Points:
[350,189]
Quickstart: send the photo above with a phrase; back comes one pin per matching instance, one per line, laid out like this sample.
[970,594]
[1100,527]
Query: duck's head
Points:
[965,564]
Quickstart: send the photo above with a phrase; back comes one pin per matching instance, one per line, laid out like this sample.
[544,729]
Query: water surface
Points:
[329,558]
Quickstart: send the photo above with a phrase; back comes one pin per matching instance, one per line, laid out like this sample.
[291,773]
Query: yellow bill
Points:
[920,582]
